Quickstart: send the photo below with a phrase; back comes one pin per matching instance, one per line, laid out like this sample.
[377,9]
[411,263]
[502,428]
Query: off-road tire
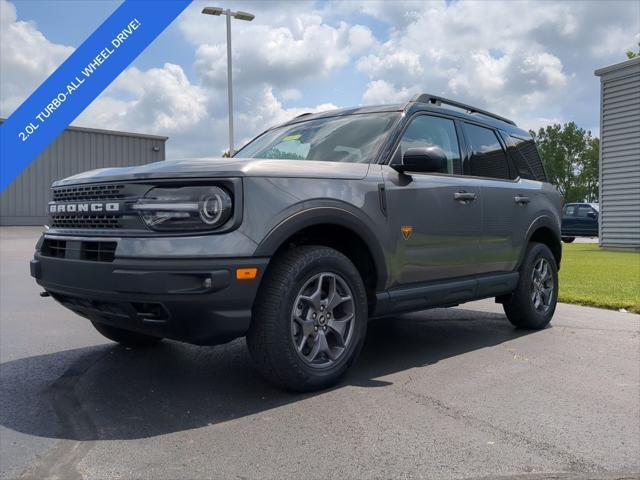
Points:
[520,308]
[126,338]
[568,239]
[270,336]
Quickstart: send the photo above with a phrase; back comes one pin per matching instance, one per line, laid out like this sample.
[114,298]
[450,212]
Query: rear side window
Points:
[528,161]
[515,146]
[488,159]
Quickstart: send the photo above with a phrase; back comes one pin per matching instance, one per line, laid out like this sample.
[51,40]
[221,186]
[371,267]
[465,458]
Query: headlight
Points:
[185,208]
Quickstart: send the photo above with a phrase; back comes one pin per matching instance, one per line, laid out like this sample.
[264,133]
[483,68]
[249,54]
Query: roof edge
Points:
[617,66]
[111,132]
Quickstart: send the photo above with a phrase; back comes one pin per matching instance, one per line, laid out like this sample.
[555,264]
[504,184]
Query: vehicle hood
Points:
[221,167]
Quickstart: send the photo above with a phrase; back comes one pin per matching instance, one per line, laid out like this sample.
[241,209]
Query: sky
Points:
[532,62]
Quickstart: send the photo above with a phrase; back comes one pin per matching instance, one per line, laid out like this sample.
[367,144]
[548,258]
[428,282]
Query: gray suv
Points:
[313,228]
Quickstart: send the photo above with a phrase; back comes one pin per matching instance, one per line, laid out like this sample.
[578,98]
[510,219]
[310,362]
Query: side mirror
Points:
[423,160]
[592,215]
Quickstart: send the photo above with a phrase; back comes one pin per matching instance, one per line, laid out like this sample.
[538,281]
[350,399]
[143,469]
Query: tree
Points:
[631,54]
[570,156]
[590,173]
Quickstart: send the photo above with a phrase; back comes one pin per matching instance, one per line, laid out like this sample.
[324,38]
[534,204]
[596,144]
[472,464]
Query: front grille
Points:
[98,251]
[79,250]
[91,221]
[54,248]
[88,192]
[82,198]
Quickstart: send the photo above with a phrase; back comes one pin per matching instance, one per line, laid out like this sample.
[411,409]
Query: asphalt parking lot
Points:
[452,393]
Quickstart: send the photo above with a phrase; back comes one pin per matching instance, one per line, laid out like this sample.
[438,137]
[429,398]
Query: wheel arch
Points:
[337,228]
[547,231]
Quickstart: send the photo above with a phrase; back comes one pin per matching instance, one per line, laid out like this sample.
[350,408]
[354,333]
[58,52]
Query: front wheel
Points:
[533,302]
[309,319]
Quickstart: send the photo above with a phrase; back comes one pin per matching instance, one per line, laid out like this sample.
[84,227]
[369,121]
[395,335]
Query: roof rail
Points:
[303,114]
[434,99]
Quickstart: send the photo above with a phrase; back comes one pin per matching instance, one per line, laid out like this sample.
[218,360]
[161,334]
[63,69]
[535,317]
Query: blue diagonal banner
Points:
[79,80]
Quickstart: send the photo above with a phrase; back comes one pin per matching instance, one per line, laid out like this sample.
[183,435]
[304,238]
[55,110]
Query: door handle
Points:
[521,200]
[464,196]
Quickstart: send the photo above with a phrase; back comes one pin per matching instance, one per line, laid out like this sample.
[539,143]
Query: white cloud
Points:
[381,92]
[523,59]
[291,94]
[531,61]
[283,56]
[164,101]
[26,58]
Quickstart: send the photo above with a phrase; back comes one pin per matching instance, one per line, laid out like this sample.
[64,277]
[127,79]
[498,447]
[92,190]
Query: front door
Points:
[434,219]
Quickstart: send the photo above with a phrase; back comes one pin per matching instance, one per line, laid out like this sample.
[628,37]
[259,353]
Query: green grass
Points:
[600,278]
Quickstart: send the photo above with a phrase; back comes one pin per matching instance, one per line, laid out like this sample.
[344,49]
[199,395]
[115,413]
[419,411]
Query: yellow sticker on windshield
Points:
[291,138]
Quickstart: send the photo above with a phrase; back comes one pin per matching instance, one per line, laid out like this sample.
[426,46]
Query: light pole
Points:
[240,16]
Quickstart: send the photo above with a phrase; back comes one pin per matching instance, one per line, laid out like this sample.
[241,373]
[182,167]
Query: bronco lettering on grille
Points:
[84,207]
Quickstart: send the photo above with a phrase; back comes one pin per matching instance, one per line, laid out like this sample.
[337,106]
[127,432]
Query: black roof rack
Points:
[434,99]
[303,114]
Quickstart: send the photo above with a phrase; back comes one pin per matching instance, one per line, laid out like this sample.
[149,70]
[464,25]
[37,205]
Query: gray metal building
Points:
[620,155]
[76,150]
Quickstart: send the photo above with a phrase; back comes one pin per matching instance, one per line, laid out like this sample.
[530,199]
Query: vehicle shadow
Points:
[111,393]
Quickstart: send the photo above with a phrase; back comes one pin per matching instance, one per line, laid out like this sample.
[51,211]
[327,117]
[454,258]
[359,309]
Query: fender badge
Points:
[406,230]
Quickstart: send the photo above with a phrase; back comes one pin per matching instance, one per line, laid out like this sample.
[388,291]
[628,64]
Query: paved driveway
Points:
[439,394]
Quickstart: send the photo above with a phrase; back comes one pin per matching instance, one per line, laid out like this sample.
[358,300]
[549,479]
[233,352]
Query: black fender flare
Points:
[336,215]
[546,221]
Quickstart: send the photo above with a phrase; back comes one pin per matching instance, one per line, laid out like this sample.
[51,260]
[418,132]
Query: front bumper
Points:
[197,301]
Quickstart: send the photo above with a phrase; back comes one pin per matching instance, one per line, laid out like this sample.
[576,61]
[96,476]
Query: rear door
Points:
[434,234]
[506,198]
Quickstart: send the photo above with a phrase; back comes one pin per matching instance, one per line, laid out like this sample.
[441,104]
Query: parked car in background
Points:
[579,220]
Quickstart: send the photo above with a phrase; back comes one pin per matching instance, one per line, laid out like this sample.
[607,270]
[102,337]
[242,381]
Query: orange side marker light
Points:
[246,273]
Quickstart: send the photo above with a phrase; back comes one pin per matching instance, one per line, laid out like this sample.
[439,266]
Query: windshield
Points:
[353,138]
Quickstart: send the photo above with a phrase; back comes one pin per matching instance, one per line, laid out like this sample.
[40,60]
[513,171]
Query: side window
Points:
[427,131]
[488,159]
[570,210]
[516,148]
[584,210]
[529,151]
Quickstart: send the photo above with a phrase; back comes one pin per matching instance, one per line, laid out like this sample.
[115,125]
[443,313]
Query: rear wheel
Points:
[309,320]
[568,239]
[533,302]
[125,337]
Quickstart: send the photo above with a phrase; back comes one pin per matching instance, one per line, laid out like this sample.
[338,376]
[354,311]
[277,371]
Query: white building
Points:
[620,155]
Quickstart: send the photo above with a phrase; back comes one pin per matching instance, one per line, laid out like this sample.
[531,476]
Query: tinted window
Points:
[427,131]
[584,210]
[527,148]
[488,159]
[570,210]
[350,138]
[517,148]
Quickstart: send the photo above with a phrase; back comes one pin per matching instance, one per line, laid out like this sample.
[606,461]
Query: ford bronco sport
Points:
[312,228]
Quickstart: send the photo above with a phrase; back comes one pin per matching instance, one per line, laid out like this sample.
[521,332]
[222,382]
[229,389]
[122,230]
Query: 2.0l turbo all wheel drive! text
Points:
[312,228]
